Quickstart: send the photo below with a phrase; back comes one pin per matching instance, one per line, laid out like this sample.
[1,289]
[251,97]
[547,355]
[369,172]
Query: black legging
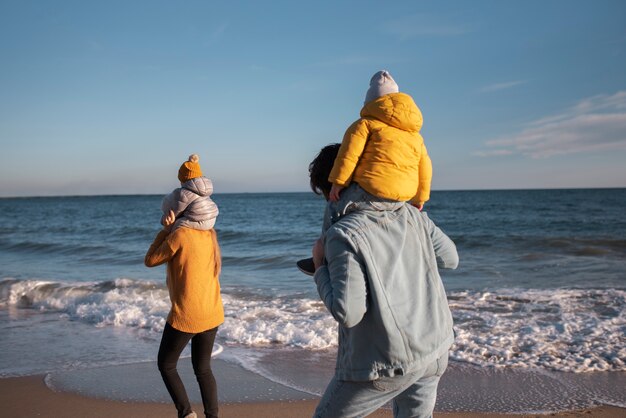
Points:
[172,344]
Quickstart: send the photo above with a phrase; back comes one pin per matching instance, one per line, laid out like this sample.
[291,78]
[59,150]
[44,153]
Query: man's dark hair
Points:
[320,168]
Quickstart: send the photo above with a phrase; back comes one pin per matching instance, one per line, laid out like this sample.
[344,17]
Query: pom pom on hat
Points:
[190,169]
[381,83]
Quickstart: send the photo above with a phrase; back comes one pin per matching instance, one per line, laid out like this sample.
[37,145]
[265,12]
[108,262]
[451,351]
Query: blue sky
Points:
[111,97]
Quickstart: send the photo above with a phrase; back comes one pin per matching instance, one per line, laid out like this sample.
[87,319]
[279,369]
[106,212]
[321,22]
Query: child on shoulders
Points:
[191,203]
[383,152]
[382,157]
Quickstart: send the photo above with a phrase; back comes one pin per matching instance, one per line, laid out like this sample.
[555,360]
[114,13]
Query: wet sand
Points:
[31,397]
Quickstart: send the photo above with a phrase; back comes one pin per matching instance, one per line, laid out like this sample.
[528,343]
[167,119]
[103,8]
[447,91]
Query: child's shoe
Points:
[306,266]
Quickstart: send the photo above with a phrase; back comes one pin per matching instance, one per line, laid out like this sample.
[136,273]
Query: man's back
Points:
[382,285]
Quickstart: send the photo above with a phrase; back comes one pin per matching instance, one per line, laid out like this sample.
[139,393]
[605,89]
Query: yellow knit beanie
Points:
[190,169]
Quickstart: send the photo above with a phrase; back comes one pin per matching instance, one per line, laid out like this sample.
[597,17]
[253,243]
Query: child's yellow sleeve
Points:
[352,147]
[425,177]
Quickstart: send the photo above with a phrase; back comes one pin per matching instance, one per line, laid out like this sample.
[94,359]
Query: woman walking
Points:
[193,267]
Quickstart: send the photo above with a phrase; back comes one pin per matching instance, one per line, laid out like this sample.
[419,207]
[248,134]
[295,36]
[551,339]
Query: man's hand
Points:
[334,192]
[318,253]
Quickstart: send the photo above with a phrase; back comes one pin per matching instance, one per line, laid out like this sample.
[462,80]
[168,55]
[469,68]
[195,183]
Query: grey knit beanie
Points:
[381,83]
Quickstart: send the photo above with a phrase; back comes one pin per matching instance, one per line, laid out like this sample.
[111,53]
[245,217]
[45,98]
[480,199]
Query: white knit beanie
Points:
[381,83]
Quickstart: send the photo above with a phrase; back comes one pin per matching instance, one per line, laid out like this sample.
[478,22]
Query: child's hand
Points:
[334,192]
[168,220]
[418,205]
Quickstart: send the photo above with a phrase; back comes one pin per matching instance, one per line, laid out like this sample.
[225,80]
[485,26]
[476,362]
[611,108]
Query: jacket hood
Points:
[395,109]
[201,186]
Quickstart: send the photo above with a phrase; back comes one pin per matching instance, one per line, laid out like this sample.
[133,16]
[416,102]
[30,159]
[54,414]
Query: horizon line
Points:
[309,191]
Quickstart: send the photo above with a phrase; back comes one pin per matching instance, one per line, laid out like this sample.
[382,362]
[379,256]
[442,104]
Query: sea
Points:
[540,291]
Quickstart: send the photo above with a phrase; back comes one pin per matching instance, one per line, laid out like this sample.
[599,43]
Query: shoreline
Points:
[29,396]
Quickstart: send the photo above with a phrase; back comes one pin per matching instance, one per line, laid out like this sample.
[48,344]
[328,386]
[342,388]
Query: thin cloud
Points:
[601,102]
[216,33]
[417,25]
[594,124]
[501,86]
[493,153]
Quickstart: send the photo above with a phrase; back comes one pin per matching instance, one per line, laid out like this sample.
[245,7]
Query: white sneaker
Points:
[191,415]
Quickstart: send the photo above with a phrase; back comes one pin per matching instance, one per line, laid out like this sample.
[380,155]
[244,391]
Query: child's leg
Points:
[352,199]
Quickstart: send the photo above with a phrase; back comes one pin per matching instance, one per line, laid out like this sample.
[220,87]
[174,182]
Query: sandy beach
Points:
[136,390]
[30,397]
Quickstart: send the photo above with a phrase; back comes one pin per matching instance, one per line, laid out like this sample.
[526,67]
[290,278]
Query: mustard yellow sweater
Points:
[193,267]
[384,151]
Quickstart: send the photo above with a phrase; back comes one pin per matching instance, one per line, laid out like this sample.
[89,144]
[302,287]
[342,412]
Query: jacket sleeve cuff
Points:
[338,181]
[321,275]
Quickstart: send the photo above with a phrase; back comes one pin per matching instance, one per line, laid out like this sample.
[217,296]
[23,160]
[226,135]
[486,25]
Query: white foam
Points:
[566,330]
[123,302]
[217,350]
[302,323]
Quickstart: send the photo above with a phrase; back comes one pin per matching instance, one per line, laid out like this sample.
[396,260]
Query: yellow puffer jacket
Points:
[384,152]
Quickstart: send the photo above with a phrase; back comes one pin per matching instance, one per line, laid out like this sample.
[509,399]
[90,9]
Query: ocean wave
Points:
[132,231]
[230,234]
[568,330]
[302,323]
[101,254]
[571,330]
[260,262]
[120,302]
[246,239]
[565,245]
[35,247]
[585,246]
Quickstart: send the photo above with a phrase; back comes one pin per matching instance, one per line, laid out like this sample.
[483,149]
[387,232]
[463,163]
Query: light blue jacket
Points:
[382,285]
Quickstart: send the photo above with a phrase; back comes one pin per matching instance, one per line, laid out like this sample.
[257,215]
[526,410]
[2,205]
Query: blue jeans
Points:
[412,395]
